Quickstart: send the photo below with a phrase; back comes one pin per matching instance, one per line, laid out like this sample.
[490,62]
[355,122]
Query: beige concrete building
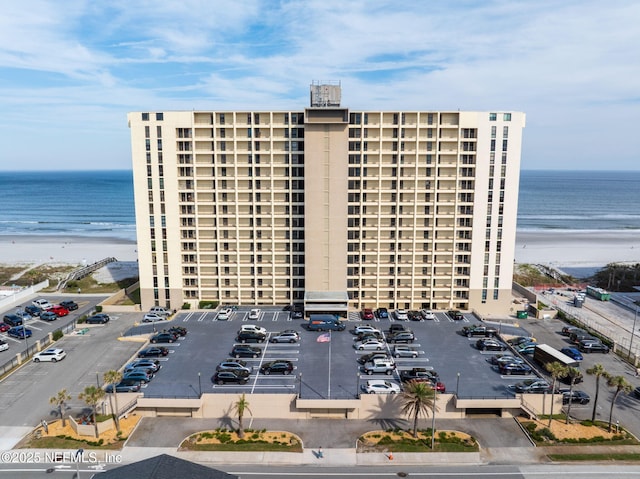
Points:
[408,209]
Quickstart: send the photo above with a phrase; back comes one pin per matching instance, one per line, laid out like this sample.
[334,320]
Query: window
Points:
[506,117]
[159,116]
[492,117]
[145,117]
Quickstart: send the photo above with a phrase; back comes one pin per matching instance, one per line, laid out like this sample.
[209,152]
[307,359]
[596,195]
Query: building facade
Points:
[408,209]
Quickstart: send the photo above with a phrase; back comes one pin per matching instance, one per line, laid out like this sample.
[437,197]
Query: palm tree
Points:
[573,374]
[113,377]
[240,406]
[596,370]
[92,395]
[621,384]
[418,399]
[556,370]
[60,401]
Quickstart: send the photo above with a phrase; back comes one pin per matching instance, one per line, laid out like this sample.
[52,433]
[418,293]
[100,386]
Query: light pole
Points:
[457,383]
[199,383]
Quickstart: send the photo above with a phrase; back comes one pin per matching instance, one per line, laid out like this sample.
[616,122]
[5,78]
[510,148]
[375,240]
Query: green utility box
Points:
[522,315]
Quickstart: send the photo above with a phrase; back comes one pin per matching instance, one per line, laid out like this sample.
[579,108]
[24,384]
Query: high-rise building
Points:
[398,209]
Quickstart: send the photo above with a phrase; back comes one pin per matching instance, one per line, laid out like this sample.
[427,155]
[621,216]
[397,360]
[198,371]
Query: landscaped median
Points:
[399,440]
[223,439]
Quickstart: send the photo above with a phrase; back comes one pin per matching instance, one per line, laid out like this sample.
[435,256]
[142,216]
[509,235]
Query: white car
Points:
[254,314]
[380,386]
[153,317]
[42,303]
[52,355]
[3,345]
[402,351]
[223,316]
[253,328]
[370,344]
[401,315]
[427,314]
[365,328]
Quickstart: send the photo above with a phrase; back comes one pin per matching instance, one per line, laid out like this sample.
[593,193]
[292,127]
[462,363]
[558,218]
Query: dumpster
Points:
[522,315]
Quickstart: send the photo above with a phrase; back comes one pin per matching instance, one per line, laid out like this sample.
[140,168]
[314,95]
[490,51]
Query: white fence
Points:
[18,297]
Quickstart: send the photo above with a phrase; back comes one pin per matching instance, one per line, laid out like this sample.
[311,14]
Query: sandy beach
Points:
[32,250]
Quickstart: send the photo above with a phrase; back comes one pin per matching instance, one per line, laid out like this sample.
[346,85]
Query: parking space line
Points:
[202,316]
[188,317]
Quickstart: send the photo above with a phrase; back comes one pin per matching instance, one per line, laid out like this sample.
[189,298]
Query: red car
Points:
[4,327]
[59,310]
[366,314]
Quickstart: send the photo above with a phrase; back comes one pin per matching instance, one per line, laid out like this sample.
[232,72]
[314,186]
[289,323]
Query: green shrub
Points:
[186,306]
[224,437]
[255,435]
[57,334]
[207,304]
[98,309]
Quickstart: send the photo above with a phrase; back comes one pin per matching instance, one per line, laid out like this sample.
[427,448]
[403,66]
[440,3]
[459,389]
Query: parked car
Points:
[287,336]
[380,386]
[236,365]
[527,348]
[52,355]
[567,330]
[178,330]
[578,336]
[224,377]
[3,345]
[12,319]
[382,313]
[404,351]
[455,314]
[428,314]
[395,328]
[153,317]
[386,366]
[147,363]
[153,352]
[593,347]
[70,305]
[365,328]
[245,351]
[124,386]
[59,310]
[366,314]
[573,353]
[99,318]
[42,303]
[401,337]
[401,315]
[146,368]
[479,330]
[418,374]
[490,344]
[222,316]
[279,366]
[414,316]
[369,344]
[636,392]
[365,358]
[34,311]
[23,314]
[160,310]
[514,368]
[4,327]
[533,386]
[163,338]
[19,332]
[498,359]
[251,337]
[518,340]
[138,375]
[297,311]
[252,328]
[255,314]
[369,335]
[48,316]
[579,397]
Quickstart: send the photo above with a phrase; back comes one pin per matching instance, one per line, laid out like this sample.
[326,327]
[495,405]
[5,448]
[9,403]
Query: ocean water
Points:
[79,203]
[579,200]
[100,203]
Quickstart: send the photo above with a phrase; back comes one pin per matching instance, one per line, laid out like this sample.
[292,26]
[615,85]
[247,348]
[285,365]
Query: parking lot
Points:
[325,363]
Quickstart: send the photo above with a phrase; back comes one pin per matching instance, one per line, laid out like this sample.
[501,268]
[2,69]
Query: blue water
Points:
[100,203]
[579,200]
[83,203]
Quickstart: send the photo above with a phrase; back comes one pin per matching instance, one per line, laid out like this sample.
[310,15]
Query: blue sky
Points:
[70,71]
